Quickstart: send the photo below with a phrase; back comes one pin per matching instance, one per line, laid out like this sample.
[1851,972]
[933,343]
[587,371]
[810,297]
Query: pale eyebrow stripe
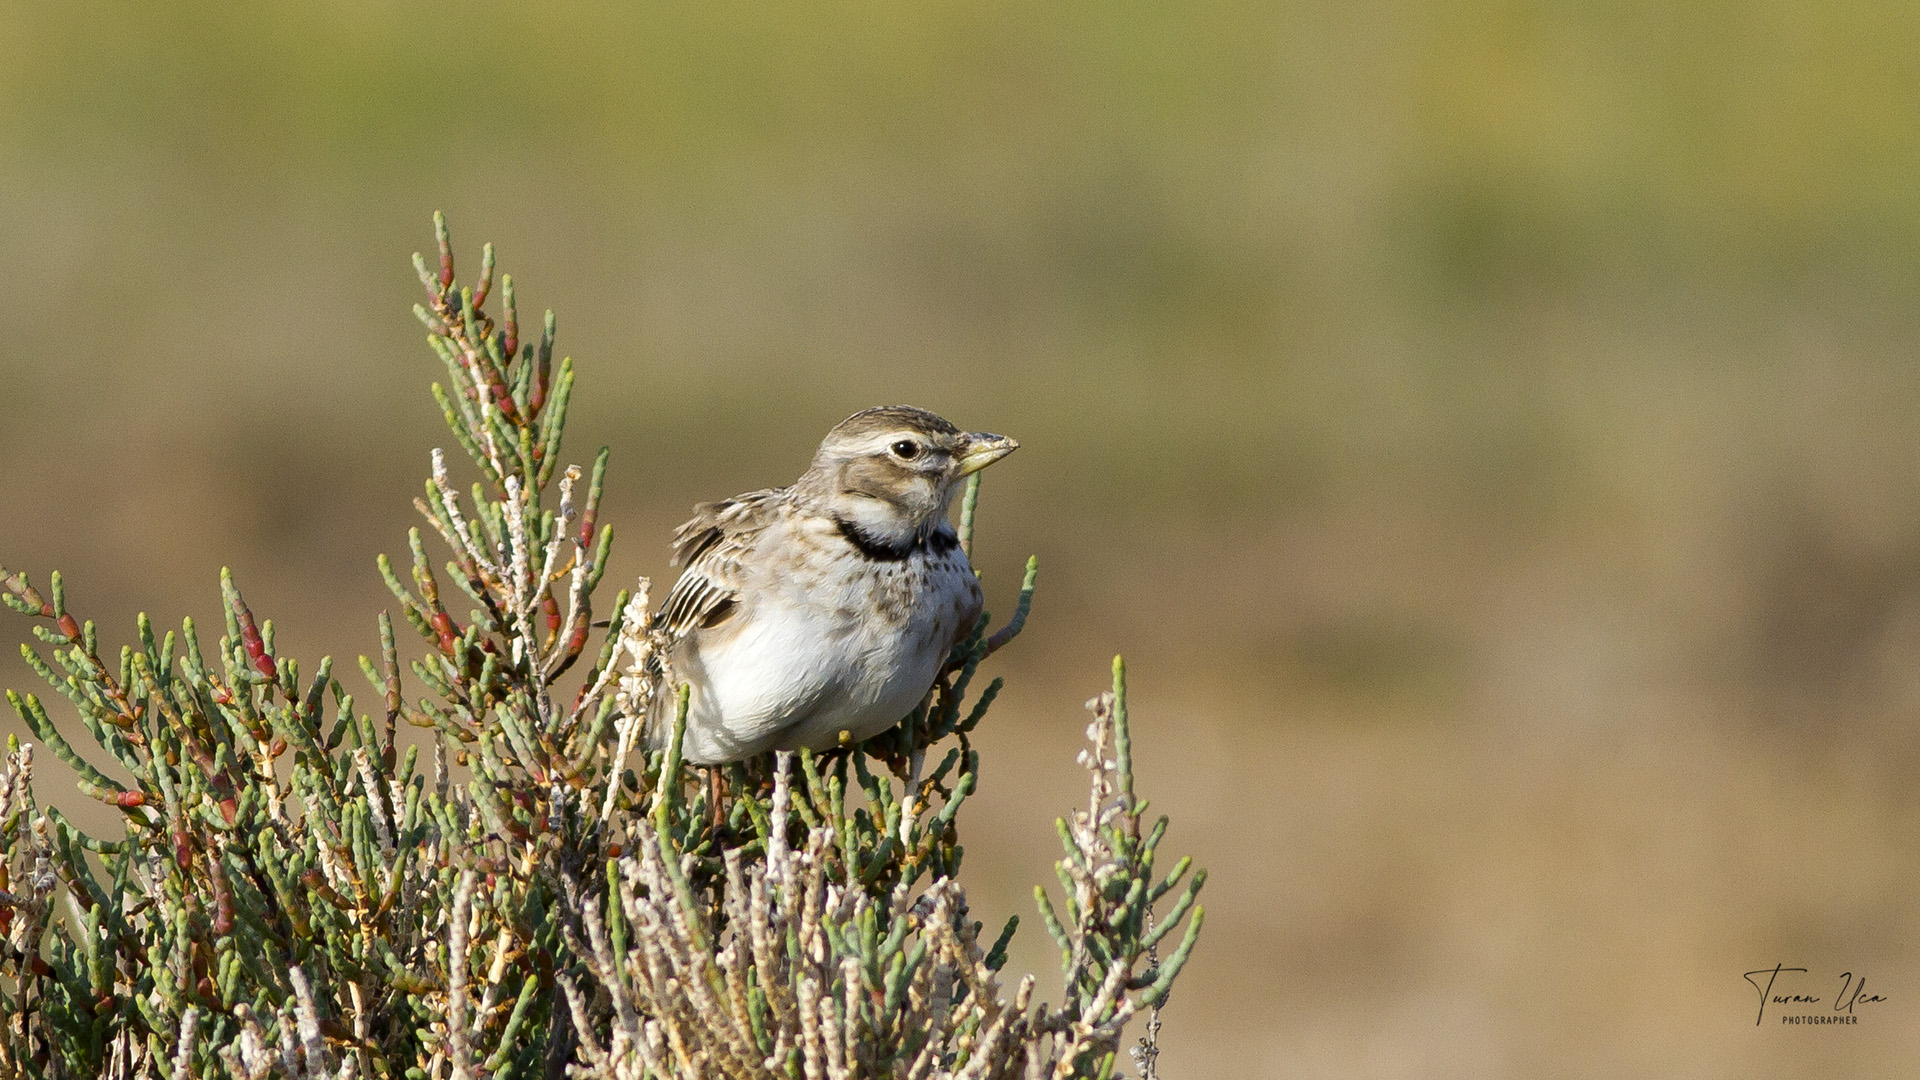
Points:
[875,443]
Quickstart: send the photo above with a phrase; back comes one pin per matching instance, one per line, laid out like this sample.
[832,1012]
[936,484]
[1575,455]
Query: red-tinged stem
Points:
[577,640]
[17,585]
[503,398]
[251,640]
[317,882]
[537,397]
[437,617]
[442,623]
[222,786]
[222,898]
[479,587]
[587,518]
[129,714]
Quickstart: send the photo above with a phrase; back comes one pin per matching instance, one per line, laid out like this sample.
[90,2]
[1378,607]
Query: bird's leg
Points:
[716,787]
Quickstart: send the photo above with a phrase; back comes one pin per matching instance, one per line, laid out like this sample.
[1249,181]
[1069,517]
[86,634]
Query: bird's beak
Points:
[983,450]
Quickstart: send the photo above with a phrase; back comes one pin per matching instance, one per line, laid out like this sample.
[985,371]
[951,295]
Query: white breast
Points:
[822,650]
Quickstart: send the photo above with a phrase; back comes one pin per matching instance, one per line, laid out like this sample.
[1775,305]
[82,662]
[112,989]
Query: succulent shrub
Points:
[474,869]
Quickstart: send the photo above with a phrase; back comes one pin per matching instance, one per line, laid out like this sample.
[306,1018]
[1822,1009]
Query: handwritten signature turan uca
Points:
[1782,985]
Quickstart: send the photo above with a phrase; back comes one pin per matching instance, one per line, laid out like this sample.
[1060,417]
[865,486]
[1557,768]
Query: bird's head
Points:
[893,470]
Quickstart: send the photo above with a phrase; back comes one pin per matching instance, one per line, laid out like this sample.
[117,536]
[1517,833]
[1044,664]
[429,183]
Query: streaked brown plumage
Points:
[827,607]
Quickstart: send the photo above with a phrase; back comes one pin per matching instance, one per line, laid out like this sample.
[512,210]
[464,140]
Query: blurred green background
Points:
[1490,429]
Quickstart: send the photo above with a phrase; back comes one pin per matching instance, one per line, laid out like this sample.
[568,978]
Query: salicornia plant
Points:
[486,876]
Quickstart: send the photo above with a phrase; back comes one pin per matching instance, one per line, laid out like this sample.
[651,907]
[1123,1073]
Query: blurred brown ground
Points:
[1488,429]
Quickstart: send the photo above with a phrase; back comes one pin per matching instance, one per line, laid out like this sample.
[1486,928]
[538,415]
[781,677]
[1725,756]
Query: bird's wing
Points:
[711,546]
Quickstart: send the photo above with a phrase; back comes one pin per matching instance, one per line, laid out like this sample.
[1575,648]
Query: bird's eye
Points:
[905,449]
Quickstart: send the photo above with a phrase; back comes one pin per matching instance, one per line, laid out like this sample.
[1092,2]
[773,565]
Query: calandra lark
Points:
[817,614]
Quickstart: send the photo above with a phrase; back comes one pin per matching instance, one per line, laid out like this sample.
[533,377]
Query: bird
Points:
[819,614]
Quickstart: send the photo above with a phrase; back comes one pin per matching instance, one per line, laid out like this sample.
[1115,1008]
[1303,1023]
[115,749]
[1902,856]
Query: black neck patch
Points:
[877,550]
[940,542]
